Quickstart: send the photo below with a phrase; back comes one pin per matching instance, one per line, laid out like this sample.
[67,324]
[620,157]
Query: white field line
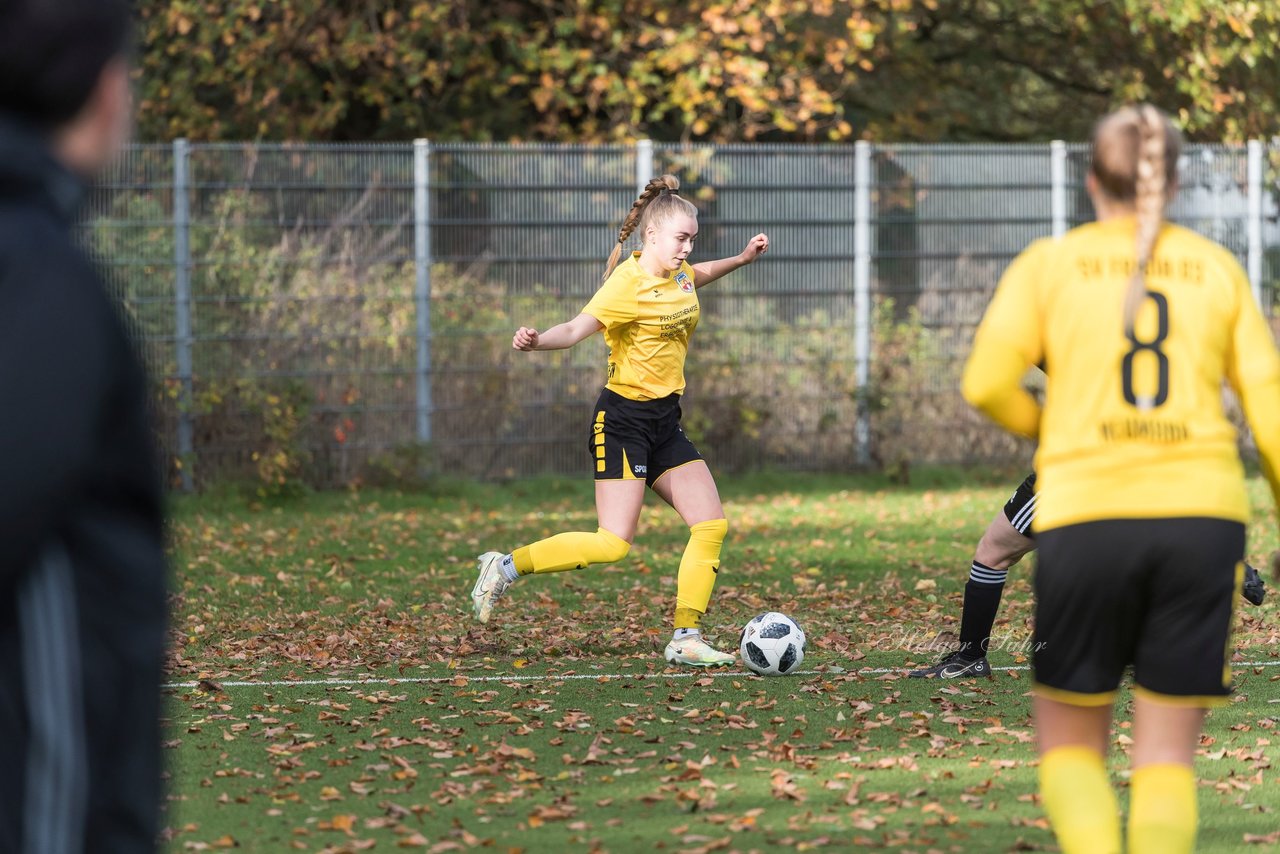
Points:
[595,677]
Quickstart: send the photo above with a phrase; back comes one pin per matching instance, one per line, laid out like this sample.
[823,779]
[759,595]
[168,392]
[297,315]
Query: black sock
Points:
[981,602]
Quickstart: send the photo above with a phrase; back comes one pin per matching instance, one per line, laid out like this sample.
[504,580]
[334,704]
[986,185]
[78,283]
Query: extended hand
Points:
[525,339]
[756,247]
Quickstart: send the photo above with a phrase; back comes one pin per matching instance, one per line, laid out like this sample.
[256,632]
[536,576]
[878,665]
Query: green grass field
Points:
[558,727]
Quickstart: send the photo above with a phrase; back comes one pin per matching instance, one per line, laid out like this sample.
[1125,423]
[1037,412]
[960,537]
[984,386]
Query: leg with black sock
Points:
[1002,545]
[982,593]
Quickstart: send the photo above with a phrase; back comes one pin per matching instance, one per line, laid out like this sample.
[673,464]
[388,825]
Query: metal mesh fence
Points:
[947,221]
[328,313]
[519,236]
[770,369]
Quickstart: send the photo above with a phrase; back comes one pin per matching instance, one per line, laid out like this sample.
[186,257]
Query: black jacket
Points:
[82,567]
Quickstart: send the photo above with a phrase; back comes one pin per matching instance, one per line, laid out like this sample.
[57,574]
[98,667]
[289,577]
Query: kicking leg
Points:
[618,504]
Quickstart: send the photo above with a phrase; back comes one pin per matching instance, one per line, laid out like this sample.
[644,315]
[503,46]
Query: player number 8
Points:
[1146,402]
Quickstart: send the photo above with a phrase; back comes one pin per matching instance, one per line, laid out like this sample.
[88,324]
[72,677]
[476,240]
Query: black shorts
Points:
[1155,593]
[638,439]
[1020,509]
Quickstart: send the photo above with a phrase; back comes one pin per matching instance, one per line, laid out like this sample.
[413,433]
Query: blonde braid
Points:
[652,190]
[1150,190]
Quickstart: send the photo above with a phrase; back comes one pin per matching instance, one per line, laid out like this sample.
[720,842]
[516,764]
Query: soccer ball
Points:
[772,644]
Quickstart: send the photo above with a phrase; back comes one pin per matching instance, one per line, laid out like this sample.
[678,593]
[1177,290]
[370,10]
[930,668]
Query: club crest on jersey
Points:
[685,283]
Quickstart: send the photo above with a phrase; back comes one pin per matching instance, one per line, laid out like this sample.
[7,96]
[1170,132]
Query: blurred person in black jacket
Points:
[82,566]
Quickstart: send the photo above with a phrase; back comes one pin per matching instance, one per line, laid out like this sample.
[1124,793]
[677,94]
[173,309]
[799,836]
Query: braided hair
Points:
[659,201]
[1135,159]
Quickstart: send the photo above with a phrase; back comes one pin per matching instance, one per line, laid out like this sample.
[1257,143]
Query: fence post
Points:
[644,164]
[1254,228]
[1058,186]
[422,282]
[182,306]
[862,294]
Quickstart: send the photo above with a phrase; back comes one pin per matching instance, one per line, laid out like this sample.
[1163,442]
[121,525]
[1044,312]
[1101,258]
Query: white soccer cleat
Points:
[696,652]
[490,585]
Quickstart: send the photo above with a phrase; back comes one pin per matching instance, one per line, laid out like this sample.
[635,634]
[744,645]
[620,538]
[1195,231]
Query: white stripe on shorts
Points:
[1023,518]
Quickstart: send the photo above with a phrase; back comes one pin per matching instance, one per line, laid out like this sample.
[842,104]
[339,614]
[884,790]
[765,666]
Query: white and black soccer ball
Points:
[772,644]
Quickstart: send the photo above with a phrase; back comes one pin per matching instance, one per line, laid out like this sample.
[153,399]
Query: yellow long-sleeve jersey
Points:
[1132,426]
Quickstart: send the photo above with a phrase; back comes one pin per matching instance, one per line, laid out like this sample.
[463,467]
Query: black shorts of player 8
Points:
[1157,594]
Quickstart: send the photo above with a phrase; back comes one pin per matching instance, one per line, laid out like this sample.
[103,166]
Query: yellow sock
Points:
[574,550]
[1162,810]
[1077,795]
[698,569]
[687,618]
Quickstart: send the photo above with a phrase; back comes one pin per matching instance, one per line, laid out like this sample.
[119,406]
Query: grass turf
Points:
[558,726]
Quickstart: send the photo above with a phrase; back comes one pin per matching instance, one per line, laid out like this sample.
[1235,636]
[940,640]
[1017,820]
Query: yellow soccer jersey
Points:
[1132,427]
[647,323]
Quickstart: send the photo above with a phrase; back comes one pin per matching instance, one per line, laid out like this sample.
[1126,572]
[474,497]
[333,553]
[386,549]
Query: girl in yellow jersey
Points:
[1141,519]
[647,308]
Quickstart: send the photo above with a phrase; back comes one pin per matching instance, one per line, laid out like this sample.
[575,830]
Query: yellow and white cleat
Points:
[490,585]
[696,652]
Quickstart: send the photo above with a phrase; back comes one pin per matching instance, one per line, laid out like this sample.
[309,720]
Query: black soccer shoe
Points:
[1254,589]
[954,666]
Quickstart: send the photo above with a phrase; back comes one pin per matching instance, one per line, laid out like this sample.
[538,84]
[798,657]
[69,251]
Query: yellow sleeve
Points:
[1008,342]
[1253,370]
[615,303]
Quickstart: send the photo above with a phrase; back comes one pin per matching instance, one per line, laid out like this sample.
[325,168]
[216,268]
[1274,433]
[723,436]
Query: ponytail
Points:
[652,200]
[1135,161]
[1150,196]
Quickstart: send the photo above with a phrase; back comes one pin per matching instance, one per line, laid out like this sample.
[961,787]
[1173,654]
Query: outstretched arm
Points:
[708,271]
[559,337]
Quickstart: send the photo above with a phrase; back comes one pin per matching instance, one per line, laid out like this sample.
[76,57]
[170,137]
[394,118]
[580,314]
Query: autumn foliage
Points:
[600,70]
